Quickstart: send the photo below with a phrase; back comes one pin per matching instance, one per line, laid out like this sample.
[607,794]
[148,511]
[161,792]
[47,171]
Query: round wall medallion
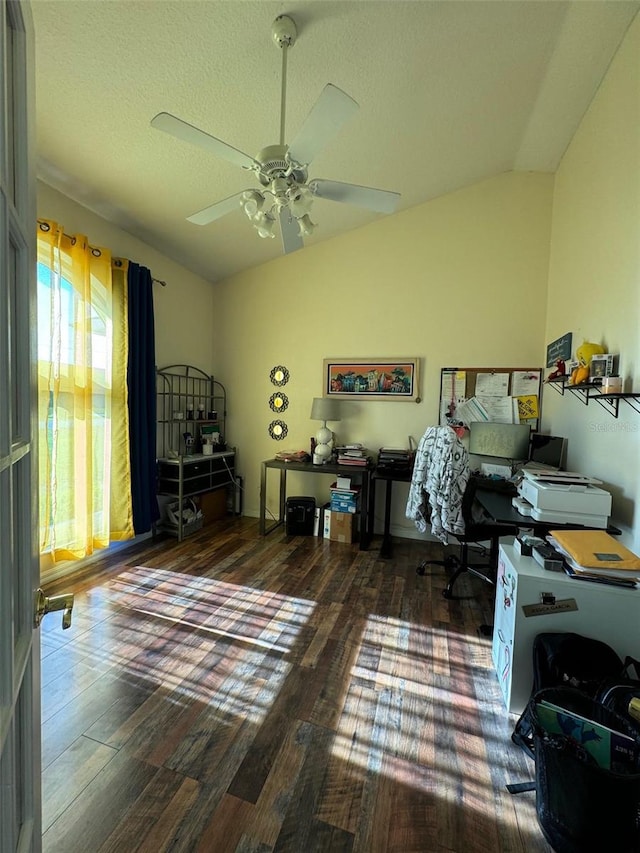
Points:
[278,402]
[278,430]
[279,375]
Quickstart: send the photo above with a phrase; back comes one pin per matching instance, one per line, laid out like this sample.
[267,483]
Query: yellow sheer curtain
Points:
[85,483]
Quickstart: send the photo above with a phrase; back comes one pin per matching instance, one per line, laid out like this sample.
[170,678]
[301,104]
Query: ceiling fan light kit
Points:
[281,169]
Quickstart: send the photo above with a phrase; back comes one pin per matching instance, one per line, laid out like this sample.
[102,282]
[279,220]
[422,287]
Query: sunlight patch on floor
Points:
[203,640]
[401,721]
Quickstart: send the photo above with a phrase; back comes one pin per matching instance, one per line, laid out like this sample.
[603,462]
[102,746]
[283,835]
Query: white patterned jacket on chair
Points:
[440,477]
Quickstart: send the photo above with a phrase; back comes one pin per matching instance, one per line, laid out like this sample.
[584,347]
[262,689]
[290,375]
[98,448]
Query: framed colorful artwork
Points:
[372,378]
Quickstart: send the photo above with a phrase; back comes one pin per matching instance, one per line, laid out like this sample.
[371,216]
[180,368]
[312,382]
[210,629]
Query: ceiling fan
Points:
[281,169]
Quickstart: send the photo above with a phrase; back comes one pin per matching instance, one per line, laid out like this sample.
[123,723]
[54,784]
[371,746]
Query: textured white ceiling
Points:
[450,92]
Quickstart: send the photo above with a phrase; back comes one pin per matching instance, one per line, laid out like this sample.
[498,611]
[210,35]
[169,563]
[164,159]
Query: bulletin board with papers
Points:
[508,395]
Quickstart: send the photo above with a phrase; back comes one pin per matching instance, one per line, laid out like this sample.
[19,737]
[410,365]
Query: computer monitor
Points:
[504,441]
[548,450]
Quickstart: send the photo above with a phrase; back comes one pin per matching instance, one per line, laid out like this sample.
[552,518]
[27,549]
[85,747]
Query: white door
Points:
[20,807]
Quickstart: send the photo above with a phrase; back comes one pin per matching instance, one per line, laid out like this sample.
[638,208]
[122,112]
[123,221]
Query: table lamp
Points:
[324,409]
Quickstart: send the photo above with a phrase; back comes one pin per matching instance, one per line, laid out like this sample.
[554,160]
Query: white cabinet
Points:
[607,613]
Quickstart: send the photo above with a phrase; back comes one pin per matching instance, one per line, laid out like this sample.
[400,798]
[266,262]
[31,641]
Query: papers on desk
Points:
[595,552]
[596,549]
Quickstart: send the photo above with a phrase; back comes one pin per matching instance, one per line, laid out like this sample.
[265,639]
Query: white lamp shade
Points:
[325,409]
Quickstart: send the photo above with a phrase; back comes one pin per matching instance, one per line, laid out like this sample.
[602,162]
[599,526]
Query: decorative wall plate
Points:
[278,402]
[278,430]
[279,375]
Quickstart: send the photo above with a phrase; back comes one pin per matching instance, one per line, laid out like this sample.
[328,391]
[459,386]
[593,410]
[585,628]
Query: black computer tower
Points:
[300,516]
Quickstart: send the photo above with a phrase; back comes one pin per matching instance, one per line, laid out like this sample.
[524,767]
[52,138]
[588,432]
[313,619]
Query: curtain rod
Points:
[154,280]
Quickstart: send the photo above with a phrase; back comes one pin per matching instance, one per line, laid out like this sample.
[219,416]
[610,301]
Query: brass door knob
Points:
[46,605]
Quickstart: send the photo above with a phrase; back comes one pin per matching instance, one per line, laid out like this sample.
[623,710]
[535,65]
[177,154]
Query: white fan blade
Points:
[291,239]
[217,210]
[381,201]
[329,113]
[188,133]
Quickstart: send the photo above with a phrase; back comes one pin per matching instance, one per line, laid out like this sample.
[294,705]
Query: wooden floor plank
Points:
[160,836]
[340,801]
[225,829]
[66,778]
[86,824]
[265,821]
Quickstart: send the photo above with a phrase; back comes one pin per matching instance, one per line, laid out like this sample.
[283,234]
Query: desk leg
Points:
[387,547]
[262,521]
[263,500]
[283,495]
[365,497]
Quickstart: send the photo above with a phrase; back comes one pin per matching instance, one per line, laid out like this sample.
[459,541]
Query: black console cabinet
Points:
[188,476]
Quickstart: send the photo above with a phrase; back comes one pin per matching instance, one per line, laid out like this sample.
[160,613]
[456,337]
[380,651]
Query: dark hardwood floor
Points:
[249,694]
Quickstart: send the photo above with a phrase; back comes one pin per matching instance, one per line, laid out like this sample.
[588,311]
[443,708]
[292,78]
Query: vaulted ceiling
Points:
[450,91]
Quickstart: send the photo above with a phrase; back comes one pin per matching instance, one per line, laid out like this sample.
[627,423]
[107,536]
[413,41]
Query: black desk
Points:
[364,473]
[502,511]
[389,477]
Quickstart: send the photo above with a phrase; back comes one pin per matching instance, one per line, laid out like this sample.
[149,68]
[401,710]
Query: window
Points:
[78,357]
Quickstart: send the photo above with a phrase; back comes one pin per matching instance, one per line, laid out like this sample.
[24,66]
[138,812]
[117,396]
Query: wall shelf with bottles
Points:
[189,401]
[587,392]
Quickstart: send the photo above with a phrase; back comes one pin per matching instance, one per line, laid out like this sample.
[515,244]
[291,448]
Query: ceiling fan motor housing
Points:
[274,163]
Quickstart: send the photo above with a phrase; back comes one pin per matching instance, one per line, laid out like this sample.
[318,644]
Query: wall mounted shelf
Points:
[587,392]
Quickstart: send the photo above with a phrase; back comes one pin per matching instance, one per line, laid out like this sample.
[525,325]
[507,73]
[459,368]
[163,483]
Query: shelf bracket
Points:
[634,402]
[558,384]
[580,393]
[609,404]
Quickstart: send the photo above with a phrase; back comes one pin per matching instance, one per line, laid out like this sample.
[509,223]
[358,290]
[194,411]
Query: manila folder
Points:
[596,549]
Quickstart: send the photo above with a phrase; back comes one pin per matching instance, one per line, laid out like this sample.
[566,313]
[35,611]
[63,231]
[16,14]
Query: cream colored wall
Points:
[594,281]
[458,281]
[184,309]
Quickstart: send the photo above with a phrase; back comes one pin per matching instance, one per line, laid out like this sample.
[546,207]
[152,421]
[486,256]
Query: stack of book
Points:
[394,461]
[353,454]
[594,555]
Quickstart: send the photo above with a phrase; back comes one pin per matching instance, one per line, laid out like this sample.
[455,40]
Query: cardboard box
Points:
[341,529]
[213,505]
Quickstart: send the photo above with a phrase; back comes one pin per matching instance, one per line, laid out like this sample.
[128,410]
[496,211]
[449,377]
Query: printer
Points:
[562,497]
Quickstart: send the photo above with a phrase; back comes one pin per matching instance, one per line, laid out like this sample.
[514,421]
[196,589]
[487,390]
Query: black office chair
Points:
[475,533]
